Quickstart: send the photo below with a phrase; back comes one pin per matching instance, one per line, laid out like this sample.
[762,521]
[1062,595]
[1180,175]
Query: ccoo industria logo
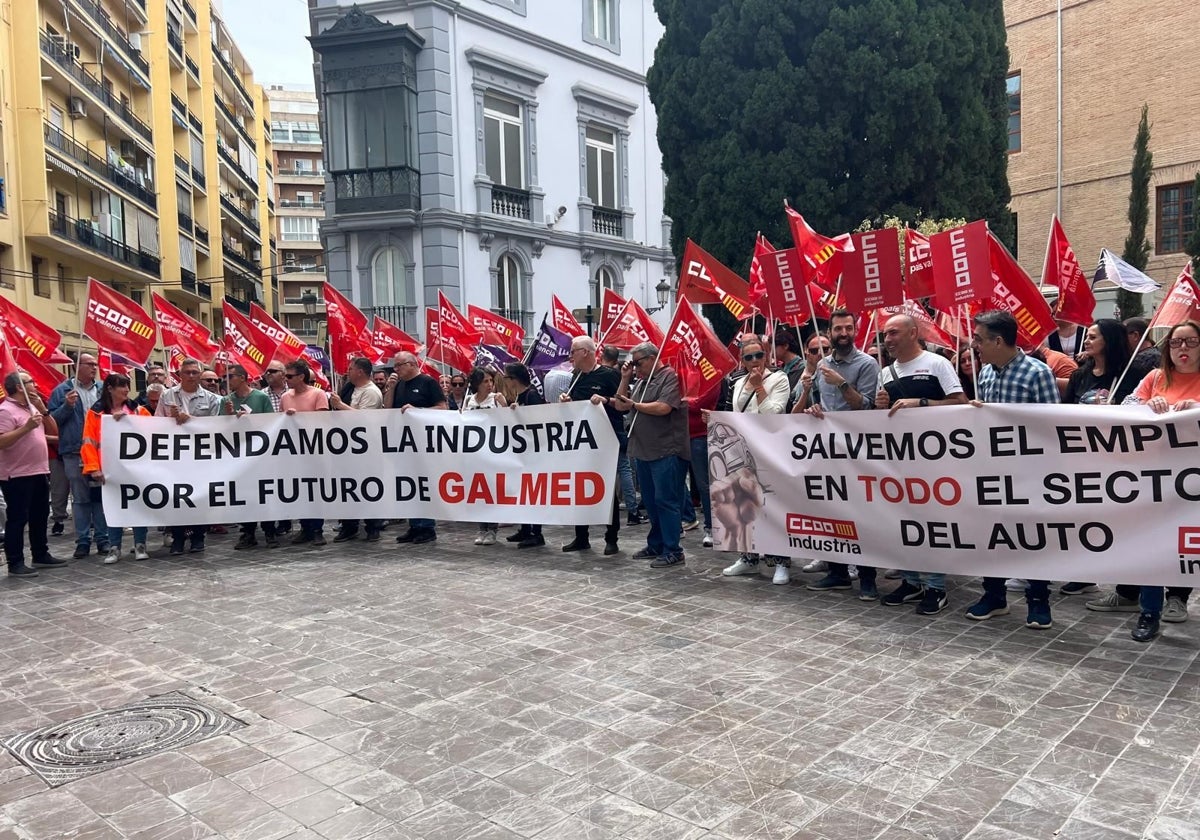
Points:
[118,322]
[816,533]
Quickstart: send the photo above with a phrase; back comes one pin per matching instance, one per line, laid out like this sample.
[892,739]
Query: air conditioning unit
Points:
[128,148]
[135,40]
[77,107]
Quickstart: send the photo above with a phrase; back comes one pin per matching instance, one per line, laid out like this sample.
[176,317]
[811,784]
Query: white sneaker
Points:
[853,572]
[488,538]
[114,554]
[782,575]
[708,540]
[815,566]
[1016,584]
[140,553]
[479,539]
[743,566]
[1175,611]
[167,538]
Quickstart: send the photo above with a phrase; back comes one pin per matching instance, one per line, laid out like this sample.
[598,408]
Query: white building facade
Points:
[499,151]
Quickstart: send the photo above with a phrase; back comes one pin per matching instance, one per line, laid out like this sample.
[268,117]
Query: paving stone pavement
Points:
[455,692]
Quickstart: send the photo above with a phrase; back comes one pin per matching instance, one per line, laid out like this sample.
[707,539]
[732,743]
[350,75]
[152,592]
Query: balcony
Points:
[181,164]
[84,232]
[180,106]
[608,222]
[233,76]
[122,40]
[301,205]
[198,177]
[240,260]
[191,12]
[246,221]
[186,223]
[176,41]
[309,268]
[308,176]
[368,190]
[3,198]
[510,202]
[57,54]
[237,123]
[202,235]
[224,154]
[67,147]
[196,124]
[192,66]
[518,316]
[404,317]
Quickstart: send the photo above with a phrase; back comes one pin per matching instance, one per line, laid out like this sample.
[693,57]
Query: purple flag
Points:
[493,358]
[551,349]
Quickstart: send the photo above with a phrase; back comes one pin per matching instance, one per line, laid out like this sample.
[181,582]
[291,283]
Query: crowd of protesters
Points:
[50,446]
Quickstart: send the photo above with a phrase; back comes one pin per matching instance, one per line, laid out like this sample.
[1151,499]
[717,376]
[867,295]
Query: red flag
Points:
[288,348]
[497,330]
[864,335]
[918,282]
[758,288]
[871,273]
[632,326]
[783,274]
[926,326]
[7,363]
[704,279]
[26,331]
[822,255]
[699,358]
[562,319]
[118,324]
[444,347]
[106,365]
[454,325]
[610,308]
[348,334]
[177,357]
[1181,304]
[46,377]
[1014,291]
[430,370]
[1076,303]
[391,340]
[178,329]
[961,265]
[245,342]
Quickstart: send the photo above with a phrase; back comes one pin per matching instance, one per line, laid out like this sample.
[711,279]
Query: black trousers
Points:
[28,499]
[610,533]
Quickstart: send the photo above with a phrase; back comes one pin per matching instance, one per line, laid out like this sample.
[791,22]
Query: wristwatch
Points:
[923,402]
[843,385]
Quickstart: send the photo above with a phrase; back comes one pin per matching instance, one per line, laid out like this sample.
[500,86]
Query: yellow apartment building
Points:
[135,148]
[1114,56]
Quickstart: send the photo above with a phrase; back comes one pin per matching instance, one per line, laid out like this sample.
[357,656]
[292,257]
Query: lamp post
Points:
[663,292]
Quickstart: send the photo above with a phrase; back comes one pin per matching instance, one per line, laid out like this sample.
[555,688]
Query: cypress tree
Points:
[1137,247]
[1193,242]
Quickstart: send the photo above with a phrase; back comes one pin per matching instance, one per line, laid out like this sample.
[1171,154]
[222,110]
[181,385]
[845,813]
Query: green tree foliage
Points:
[851,109]
[1193,243]
[1137,247]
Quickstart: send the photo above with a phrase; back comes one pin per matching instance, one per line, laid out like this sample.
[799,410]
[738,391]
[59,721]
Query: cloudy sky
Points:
[271,35]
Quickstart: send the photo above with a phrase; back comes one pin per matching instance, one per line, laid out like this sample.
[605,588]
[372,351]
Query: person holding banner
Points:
[114,401]
[916,379]
[659,444]
[1010,376]
[364,396]
[408,388]
[517,374]
[68,402]
[244,401]
[302,396]
[1106,348]
[24,474]
[482,395]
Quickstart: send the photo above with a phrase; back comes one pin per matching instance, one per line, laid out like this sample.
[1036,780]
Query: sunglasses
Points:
[293,375]
[210,381]
[458,384]
[754,357]
[274,371]
[1183,342]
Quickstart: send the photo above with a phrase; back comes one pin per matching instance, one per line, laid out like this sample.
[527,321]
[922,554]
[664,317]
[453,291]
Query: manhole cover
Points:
[63,752]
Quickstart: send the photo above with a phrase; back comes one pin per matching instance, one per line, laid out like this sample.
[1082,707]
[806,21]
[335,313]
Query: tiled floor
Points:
[467,693]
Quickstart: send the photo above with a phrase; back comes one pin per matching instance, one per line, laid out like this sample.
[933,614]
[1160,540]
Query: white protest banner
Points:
[1028,491]
[553,464]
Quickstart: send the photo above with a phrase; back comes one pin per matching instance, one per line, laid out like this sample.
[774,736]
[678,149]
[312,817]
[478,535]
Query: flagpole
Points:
[974,361]
[1112,393]
[812,313]
[653,370]
[1046,261]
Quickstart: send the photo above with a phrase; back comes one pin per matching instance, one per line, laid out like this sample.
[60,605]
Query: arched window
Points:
[605,279]
[388,279]
[510,297]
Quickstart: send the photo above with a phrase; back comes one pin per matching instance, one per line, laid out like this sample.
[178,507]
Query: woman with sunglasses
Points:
[760,391]
[483,395]
[114,401]
[1174,386]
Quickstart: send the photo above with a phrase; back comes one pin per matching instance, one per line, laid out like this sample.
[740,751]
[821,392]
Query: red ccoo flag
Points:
[288,348]
[348,333]
[7,363]
[118,324]
[497,330]
[610,308]
[698,357]
[1181,304]
[454,325]
[961,265]
[391,340]
[1013,291]
[871,273]
[1076,303]
[26,331]
[918,277]
[443,347]
[927,328]
[822,255]
[632,326]
[178,329]
[758,289]
[46,377]
[705,279]
[106,364]
[787,293]
[245,343]
[562,319]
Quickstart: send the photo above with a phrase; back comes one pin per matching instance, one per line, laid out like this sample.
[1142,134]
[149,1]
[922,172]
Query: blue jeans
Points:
[114,537]
[312,526]
[662,484]
[934,580]
[700,474]
[87,508]
[1037,590]
[1151,597]
[625,476]
[418,524]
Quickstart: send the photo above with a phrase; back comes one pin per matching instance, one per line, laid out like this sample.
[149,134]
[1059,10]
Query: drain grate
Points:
[64,752]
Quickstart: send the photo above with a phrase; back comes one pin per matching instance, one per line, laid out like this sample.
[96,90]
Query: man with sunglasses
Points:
[302,396]
[209,381]
[407,388]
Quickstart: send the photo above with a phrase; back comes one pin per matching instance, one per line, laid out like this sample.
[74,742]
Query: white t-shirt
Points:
[928,376]
[368,396]
[473,402]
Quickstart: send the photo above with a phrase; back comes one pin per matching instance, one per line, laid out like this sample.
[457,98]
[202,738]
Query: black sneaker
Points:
[425,535]
[532,541]
[197,546]
[177,547]
[666,560]
[21,571]
[57,530]
[1146,631]
[345,536]
[102,548]
[408,536]
[933,601]
[302,538]
[372,536]
[645,554]
[48,562]
[577,545]
[318,539]
[634,520]
[245,541]
[81,551]
[519,536]
[272,542]
[610,548]
[905,593]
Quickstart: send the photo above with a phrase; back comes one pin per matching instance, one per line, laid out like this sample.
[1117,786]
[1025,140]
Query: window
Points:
[298,229]
[1014,112]
[40,287]
[502,142]
[66,288]
[605,279]
[601,167]
[388,278]
[372,129]
[601,25]
[1176,217]
[509,297]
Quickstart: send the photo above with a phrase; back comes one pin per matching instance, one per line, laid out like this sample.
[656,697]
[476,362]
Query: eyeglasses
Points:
[638,360]
[814,351]
[210,381]
[292,375]
[754,357]
[458,384]
[274,371]
[189,373]
[1176,343]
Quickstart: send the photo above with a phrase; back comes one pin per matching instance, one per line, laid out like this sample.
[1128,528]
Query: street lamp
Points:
[663,291]
[309,300]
